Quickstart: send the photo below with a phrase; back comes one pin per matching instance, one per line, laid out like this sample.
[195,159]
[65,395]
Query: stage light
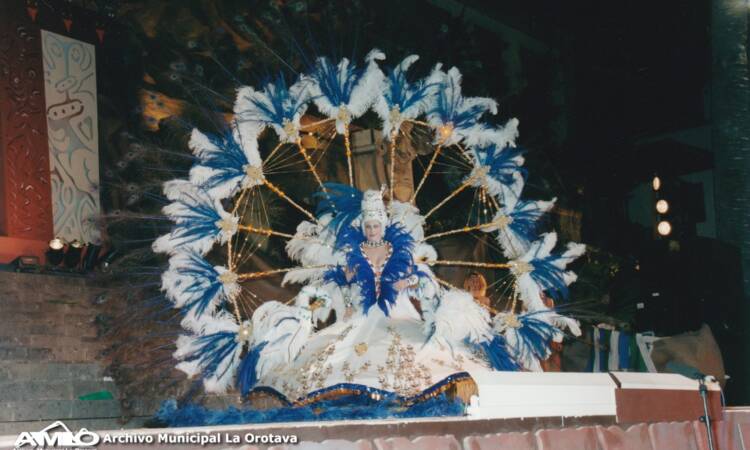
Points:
[26,263]
[55,252]
[90,257]
[656,183]
[72,257]
[662,206]
[56,244]
[664,228]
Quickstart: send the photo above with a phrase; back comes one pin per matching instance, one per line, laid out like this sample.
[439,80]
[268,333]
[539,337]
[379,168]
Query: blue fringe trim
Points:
[359,405]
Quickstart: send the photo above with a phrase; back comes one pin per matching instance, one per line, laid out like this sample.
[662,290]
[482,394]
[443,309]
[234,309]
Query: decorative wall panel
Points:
[70,92]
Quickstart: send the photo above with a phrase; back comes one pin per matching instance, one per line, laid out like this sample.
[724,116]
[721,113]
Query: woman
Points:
[379,261]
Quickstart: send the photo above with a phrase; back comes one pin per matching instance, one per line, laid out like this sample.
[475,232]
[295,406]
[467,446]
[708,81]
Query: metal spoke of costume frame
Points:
[392,158]
[283,195]
[427,171]
[348,146]
[267,273]
[264,231]
[466,229]
[444,262]
[303,151]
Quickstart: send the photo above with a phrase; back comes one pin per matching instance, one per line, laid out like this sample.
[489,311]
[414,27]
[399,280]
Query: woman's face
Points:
[373,231]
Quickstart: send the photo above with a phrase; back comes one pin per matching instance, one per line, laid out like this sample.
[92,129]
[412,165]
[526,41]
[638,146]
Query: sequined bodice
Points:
[377,270]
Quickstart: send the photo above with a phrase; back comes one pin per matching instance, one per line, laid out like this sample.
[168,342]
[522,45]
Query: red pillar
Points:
[25,196]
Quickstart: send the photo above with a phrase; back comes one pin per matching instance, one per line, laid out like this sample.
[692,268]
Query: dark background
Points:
[599,89]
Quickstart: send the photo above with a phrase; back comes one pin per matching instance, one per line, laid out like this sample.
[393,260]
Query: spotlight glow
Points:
[656,183]
[664,228]
[662,206]
[56,244]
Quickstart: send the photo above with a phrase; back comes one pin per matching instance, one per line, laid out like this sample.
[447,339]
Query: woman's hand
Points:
[400,285]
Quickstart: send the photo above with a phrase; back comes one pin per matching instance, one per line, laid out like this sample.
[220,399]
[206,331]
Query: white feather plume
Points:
[188,344]
[175,283]
[529,290]
[187,195]
[459,317]
[512,243]
[285,329]
[450,86]
[312,245]
[383,109]
[409,217]
[363,93]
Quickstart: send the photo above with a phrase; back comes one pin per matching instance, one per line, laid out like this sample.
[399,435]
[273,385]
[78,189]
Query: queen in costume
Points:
[380,343]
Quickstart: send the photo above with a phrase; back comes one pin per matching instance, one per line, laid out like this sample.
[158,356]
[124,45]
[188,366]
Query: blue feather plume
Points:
[196,221]
[246,375]
[212,351]
[402,94]
[501,162]
[226,165]
[525,220]
[204,285]
[498,354]
[535,337]
[276,104]
[550,277]
[450,106]
[342,201]
[335,85]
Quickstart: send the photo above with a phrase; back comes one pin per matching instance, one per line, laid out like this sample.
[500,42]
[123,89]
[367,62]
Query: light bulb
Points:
[664,228]
[662,206]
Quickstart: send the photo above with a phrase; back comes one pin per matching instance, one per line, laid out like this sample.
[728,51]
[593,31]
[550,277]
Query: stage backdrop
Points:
[70,94]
